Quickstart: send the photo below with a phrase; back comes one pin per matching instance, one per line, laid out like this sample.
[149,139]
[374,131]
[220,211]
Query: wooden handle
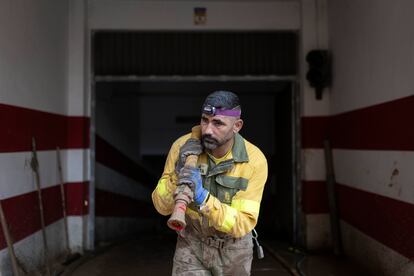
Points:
[9,242]
[191,160]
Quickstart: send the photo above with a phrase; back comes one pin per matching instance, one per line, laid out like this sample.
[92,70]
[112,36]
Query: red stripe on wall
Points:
[314,131]
[384,126]
[22,212]
[109,204]
[389,221]
[19,125]
[77,132]
[111,157]
[77,197]
[314,197]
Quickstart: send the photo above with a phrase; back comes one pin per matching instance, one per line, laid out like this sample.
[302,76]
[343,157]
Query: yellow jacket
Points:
[235,184]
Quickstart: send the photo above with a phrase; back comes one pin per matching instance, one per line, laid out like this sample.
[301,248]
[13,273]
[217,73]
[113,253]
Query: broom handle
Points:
[62,193]
[9,242]
[35,168]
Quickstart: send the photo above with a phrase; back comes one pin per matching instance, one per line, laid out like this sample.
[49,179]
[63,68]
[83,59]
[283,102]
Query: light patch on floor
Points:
[378,258]
[318,232]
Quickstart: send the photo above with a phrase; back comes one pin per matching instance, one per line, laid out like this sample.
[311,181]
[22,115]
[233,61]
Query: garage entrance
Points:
[148,91]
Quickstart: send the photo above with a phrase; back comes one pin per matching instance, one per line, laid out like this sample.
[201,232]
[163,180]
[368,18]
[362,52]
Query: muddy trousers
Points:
[210,257]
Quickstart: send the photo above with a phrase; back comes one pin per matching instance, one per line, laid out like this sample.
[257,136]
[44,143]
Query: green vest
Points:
[215,177]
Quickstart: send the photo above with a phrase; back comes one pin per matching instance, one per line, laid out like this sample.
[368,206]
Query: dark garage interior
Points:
[163,111]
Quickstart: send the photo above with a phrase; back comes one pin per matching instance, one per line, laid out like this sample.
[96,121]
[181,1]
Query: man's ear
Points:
[237,125]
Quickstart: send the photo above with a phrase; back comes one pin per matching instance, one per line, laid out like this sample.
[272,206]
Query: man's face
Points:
[218,130]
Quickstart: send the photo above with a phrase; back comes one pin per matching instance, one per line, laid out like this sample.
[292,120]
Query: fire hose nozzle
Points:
[183,196]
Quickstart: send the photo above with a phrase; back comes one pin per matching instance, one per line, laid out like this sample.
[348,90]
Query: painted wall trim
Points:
[178,15]
[51,130]
[22,211]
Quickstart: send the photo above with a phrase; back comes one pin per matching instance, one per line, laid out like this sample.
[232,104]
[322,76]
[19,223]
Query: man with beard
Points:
[227,185]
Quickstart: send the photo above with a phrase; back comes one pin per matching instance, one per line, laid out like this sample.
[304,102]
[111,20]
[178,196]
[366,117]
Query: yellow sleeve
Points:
[162,196]
[241,216]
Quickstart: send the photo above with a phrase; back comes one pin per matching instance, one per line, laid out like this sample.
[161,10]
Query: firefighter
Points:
[228,185]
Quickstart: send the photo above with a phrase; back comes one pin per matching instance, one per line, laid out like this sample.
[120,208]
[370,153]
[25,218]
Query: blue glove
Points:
[191,176]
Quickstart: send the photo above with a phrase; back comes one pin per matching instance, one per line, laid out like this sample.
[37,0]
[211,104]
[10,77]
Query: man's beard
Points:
[211,143]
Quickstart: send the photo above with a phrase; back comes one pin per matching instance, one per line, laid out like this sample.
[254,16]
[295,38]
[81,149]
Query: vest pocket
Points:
[228,186]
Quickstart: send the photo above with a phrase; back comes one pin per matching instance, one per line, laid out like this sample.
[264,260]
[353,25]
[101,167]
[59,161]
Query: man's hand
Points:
[191,147]
[191,176]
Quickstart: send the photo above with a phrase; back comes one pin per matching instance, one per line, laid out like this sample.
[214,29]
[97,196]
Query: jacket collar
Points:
[239,151]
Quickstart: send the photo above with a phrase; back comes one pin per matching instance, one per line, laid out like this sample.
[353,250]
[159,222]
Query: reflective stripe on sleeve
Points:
[229,220]
[245,205]
[162,187]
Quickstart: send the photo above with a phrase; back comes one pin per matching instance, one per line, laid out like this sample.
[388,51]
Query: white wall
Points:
[33,74]
[78,97]
[372,44]
[33,54]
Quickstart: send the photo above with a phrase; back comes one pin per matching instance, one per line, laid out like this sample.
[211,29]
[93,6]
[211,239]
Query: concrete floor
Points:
[153,256]
[321,264]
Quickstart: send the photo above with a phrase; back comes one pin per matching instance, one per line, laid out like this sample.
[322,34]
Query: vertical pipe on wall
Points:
[63,196]
[91,214]
[90,98]
[298,225]
[79,105]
